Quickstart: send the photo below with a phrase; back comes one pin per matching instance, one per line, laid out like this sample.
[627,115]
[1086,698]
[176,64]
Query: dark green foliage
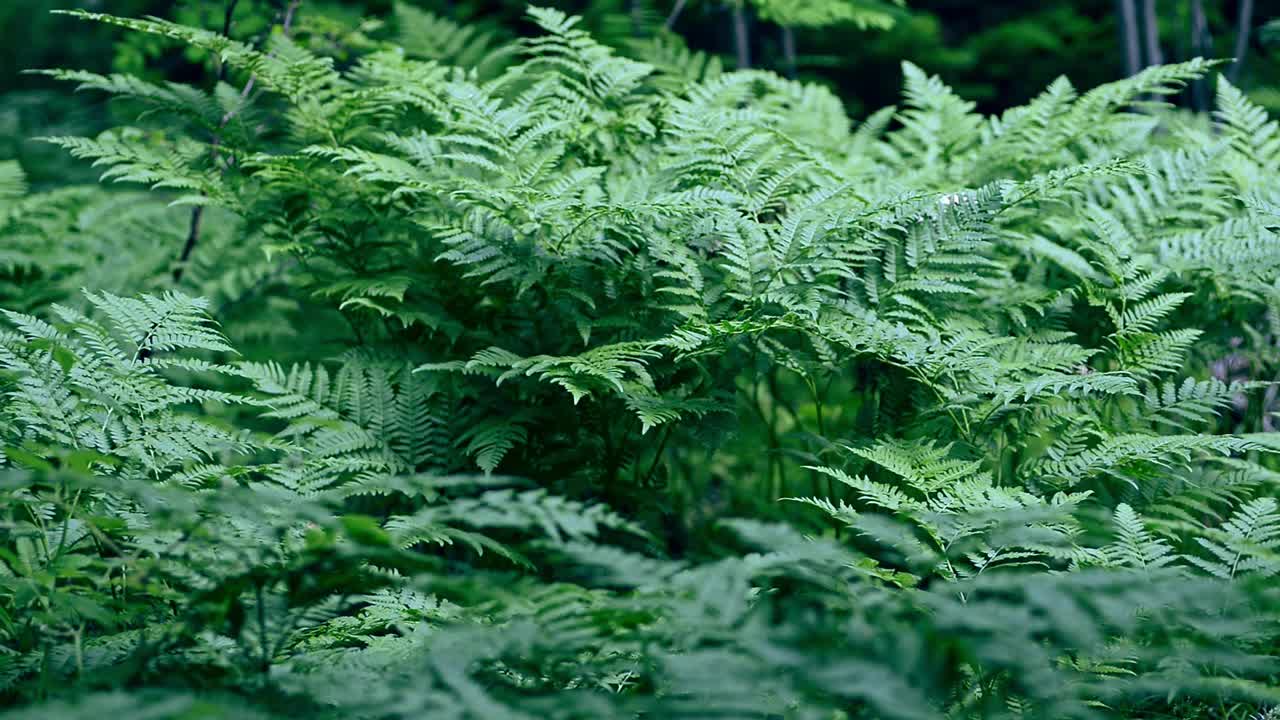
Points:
[478,378]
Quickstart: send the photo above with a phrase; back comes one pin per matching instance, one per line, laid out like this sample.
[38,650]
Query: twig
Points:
[675,13]
[197,212]
[193,236]
[657,456]
[286,25]
[226,33]
[263,645]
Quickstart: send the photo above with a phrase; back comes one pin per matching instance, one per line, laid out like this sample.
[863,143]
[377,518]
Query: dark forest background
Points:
[996,53]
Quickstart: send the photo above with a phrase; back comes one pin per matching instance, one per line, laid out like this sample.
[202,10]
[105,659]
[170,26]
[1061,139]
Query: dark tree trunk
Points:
[789,52]
[1151,33]
[637,18]
[741,38]
[1129,43]
[1200,45]
[1244,23]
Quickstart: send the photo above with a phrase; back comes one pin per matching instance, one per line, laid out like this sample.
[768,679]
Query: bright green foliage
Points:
[820,13]
[534,381]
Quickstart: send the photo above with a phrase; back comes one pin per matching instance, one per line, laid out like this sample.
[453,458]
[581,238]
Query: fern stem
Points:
[657,455]
[822,434]
[193,237]
[197,212]
[66,522]
[264,647]
[226,32]
[77,643]
[775,401]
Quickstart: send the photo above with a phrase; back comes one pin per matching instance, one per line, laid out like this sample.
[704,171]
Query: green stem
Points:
[264,646]
[657,455]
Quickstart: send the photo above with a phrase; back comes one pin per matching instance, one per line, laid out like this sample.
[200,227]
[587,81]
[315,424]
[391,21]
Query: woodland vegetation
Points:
[369,362]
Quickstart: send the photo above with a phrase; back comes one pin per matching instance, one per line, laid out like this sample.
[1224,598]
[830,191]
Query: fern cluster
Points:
[444,376]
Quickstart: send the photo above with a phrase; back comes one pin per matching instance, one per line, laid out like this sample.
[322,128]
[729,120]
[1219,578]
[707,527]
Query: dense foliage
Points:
[459,378]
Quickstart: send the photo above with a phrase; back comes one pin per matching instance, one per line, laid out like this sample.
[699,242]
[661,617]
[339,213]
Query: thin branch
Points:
[675,13]
[657,456]
[286,25]
[226,32]
[193,236]
[197,213]
[263,646]
[288,15]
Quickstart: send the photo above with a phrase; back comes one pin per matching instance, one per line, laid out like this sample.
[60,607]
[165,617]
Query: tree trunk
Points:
[637,18]
[1151,33]
[741,38]
[1129,44]
[1200,44]
[1244,24]
[789,52]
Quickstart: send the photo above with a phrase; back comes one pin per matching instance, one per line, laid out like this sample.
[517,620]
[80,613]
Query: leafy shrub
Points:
[573,387]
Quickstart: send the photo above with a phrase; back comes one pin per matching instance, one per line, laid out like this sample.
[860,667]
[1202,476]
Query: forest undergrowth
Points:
[417,375]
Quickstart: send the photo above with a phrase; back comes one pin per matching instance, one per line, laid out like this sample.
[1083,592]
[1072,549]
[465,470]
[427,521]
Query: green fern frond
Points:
[1247,543]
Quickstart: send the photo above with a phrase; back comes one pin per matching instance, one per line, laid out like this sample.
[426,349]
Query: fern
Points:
[487,361]
[1134,545]
[1244,544]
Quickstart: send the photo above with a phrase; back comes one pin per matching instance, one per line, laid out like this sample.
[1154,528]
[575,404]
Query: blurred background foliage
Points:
[996,53]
